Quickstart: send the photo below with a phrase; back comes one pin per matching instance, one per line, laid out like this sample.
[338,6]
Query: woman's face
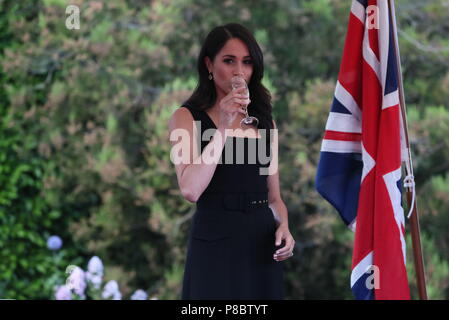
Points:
[233,59]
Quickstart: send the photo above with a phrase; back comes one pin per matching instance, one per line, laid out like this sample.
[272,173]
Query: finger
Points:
[237,92]
[240,92]
[240,89]
[282,258]
[237,108]
[285,249]
[233,104]
[278,239]
[243,98]
[284,255]
[282,251]
[241,101]
[225,101]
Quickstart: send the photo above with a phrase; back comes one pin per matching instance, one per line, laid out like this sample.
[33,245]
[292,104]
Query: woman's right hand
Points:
[231,105]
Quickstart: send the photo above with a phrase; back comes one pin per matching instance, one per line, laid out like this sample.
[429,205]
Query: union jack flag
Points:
[359,170]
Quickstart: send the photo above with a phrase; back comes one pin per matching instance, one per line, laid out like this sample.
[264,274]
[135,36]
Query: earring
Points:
[210,76]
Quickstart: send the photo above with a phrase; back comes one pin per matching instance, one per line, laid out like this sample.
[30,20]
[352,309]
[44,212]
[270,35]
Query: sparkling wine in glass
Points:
[236,83]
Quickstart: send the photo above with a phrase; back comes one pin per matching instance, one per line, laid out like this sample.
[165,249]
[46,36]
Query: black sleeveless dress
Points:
[232,239]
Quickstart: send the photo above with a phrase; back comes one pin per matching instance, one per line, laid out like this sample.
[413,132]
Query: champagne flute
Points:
[239,82]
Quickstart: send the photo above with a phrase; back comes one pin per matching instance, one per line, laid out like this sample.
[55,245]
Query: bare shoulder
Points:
[181,118]
[274,124]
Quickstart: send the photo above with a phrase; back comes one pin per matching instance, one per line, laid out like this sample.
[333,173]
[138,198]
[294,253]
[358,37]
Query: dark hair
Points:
[204,96]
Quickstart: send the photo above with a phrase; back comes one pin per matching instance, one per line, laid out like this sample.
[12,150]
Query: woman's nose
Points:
[238,71]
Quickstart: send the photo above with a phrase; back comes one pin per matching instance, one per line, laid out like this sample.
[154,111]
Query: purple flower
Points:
[95,266]
[76,280]
[111,291]
[54,243]
[117,296]
[94,279]
[94,272]
[139,295]
[63,293]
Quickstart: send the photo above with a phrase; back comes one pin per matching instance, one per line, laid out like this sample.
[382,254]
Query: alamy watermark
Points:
[373,280]
[182,152]
[73,20]
[372,17]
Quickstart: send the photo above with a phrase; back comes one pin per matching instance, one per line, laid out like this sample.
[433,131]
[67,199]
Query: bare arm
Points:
[275,201]
[195,174]
[274,194]
[280,211]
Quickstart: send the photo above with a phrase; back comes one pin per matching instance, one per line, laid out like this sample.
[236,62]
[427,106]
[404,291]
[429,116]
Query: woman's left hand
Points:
[282,233]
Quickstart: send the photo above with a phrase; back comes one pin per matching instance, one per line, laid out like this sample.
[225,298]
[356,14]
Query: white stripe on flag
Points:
[391,180]
[341,146]
[346,99]
[390,100]
[353,225]
[384,38]
[368,163]
[361,268]
[343,122]
[358,10]
[370,56]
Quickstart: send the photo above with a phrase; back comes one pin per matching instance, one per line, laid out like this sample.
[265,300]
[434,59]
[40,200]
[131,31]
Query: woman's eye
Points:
[231,60]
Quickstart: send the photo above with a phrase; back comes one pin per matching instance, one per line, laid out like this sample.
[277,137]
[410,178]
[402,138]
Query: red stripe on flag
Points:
[350,75]
[389,140]
[342,136]
[388,255]
[372,101]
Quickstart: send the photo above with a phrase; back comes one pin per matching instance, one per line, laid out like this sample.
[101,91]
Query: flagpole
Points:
[411,199]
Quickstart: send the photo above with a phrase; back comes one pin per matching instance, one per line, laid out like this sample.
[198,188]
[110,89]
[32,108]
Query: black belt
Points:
[235,201]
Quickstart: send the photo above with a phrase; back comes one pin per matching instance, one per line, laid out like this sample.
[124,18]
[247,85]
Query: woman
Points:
[240,233]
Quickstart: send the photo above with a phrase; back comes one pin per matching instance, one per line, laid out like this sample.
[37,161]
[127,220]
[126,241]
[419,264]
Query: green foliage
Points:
[436,267]
[26,219]
[84,149]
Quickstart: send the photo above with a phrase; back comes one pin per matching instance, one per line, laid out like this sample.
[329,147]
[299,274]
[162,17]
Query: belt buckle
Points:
[256,202]
[242,202]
